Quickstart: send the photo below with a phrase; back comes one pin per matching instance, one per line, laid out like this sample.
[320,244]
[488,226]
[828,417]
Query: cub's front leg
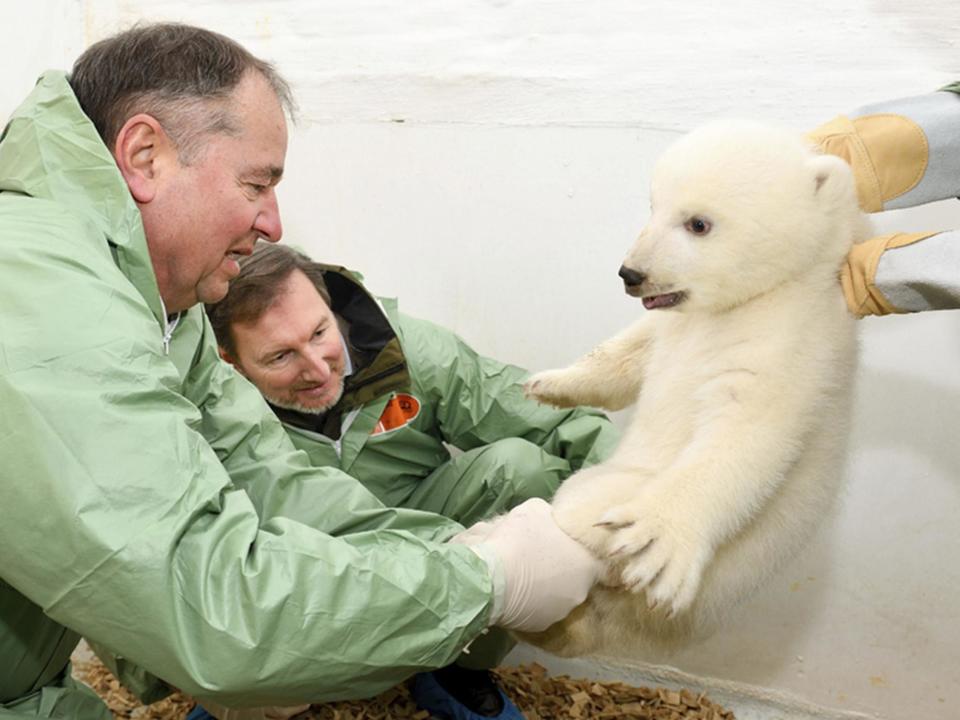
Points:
[609,376]
[667,534]
[659,544]
[587,495]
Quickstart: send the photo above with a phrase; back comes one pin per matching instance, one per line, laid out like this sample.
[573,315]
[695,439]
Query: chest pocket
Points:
[401,410]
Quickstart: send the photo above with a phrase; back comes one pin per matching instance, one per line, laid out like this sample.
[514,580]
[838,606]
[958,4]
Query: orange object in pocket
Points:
[401,410]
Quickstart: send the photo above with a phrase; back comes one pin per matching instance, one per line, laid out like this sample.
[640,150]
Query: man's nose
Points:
[268,223]
[317,366]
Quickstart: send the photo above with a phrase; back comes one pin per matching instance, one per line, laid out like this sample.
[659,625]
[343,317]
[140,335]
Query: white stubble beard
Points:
[309,410]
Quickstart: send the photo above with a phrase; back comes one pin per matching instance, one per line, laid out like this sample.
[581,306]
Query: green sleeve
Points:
[171,520]
[481,400]
[256,451]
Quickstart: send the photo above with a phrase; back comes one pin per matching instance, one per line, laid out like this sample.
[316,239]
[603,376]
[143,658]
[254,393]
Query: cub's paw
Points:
[582,500]
[659,551]
[552,387]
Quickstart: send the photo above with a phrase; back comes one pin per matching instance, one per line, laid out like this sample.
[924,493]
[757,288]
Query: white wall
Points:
[487,162]
[45,34]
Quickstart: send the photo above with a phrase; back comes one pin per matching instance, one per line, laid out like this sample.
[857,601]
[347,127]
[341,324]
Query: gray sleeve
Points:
[922,276]
[938,116]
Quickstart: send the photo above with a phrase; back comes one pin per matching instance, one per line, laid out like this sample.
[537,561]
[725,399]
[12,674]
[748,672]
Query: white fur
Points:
[742,391]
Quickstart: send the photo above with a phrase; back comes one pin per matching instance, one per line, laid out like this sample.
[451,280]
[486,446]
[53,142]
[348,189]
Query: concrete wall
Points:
[487,162]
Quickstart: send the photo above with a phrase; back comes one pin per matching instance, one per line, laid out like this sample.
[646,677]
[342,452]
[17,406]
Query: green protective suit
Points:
[152,502]
[417,389]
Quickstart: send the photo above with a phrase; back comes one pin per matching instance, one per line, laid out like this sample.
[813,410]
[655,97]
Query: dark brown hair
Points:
[262,278]
[181,75]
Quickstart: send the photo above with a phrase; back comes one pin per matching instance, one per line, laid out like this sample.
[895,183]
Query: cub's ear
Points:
[831,178]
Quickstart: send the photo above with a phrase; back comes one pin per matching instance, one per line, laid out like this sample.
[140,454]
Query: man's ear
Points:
[143,151]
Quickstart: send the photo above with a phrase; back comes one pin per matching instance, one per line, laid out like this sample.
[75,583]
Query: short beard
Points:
[311,410]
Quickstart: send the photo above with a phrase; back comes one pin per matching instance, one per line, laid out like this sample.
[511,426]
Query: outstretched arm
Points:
[479,400]
[609,376]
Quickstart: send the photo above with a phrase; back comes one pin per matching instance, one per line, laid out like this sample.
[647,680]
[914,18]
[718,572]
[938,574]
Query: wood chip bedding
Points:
[539,695]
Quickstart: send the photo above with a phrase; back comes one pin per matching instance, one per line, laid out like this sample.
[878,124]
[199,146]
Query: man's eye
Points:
[279,357]
[258,188]
[697,225]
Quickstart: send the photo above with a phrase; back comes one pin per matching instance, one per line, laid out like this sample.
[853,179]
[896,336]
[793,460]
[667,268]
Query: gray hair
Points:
[183,76]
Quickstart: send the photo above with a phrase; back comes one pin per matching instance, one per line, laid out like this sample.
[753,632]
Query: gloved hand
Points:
[540,572]
[888,154]
[474,534]
[903,153]
[858,276]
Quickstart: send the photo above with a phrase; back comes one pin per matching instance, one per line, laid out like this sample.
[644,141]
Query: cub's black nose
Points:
[631,277]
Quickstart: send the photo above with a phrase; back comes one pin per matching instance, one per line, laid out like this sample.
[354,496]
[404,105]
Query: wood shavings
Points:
[540,696]
[122,703]
[559,697]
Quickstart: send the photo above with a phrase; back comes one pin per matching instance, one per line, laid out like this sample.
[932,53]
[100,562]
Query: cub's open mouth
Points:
[653,302]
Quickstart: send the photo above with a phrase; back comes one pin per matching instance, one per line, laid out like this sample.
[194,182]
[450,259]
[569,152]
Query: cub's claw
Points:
[663,555]
[612,525]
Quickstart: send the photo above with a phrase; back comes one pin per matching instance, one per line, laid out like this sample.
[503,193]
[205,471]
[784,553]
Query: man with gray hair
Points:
[151,500]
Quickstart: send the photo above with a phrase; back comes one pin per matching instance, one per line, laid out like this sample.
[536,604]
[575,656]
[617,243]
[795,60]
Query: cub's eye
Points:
[697,225]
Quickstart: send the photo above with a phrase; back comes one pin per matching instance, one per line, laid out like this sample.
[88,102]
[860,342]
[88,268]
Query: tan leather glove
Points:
[903,152]
[888,154]
[859,273]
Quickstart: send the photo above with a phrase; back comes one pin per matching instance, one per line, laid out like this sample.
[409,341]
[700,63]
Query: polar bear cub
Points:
[741,372]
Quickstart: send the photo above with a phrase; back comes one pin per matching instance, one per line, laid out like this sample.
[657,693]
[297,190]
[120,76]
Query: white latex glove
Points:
[474,534]
[540,573]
